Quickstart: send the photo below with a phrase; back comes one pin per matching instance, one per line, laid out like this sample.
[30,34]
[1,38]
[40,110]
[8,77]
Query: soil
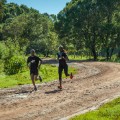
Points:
[94,84]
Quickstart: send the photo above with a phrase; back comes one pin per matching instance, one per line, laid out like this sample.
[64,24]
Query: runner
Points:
[34,63]
[62,57]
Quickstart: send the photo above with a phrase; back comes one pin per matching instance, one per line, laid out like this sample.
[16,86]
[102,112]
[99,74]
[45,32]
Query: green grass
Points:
[109,111]
[71,57]
[79,57]
[47,72]
[76,57]
[113,59]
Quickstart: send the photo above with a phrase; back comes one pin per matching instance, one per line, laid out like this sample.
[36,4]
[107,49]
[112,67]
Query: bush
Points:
[14,65]
[3,50]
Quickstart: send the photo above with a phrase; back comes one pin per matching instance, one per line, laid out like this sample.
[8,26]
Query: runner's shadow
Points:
[24,92]
[53,92]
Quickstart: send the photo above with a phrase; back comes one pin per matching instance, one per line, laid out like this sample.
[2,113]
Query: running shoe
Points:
[40,78]
[35,88]
[71,76]
[60,87]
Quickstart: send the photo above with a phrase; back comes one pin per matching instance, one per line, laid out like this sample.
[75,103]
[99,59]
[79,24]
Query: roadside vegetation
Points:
[109,111]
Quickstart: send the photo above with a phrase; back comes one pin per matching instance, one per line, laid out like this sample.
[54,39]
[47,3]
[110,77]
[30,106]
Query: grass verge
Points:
[109,111]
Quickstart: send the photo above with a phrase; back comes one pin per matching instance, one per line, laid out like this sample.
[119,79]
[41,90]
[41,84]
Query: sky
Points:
[44,6]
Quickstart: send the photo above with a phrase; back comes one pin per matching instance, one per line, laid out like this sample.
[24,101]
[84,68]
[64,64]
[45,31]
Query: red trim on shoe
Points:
[71,76]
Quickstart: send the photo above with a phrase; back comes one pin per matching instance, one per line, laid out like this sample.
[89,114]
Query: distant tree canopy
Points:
[27,28]
[93,25]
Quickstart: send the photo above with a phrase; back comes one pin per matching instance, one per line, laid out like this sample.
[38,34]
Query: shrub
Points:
[14,65]
[3,49]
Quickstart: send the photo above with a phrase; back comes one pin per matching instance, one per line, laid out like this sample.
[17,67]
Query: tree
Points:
[2,2]
[109,30]
[28,28]
[90,24]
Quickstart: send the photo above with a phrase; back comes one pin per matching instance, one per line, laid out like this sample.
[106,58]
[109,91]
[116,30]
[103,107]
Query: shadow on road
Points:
[24,92]
[53,92]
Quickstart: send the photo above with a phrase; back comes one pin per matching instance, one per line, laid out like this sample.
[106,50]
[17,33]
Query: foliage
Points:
[86,26]
[28,28]
[11,57]
[90,24]
[1,50]
[8,50]
[42,36]
[14,65]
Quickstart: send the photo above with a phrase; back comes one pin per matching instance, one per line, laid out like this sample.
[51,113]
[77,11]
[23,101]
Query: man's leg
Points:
[35,77]
[38,76]
[66,70]
[33,81]
[60,69]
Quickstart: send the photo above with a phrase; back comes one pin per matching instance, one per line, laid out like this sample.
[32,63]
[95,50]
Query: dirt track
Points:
[94,83]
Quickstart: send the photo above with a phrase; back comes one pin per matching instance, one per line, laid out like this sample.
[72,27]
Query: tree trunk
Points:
[94,54]
[74,55]
[94,47]
[118,54]
[47,54]
[112,50]
[107,54]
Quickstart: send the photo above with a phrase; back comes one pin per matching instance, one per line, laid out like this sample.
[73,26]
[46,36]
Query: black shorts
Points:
[61,68]
[34,71]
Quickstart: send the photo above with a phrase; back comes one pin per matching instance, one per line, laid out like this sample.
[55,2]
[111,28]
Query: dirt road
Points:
[95,83]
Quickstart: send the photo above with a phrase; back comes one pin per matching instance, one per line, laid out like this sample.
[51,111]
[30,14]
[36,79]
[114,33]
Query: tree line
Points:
[84,26]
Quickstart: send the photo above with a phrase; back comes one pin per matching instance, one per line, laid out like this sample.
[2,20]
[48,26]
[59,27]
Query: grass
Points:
[78,57]
[109,111]
[47,72]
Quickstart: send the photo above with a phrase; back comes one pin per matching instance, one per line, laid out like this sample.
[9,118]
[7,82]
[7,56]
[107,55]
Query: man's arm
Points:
[40,62]
[28,62]
[66,57]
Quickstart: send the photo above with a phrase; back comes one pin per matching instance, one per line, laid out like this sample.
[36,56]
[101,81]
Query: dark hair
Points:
[32,50]
[63,50]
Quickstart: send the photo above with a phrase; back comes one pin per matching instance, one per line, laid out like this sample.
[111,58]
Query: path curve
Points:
[95,83]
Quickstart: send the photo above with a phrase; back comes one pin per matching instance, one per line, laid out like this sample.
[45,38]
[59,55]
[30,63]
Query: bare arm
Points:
[66,58]
[40,62]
